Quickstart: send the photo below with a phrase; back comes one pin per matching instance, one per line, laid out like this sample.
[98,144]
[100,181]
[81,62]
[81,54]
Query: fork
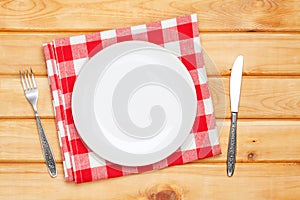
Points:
[31,94]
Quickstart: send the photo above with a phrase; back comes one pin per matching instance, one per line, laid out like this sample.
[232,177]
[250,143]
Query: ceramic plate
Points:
[134,103]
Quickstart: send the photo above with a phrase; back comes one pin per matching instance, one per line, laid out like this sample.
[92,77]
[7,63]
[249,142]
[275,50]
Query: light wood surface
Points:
[280,49]
[261,140]
[266,32]
[191,181]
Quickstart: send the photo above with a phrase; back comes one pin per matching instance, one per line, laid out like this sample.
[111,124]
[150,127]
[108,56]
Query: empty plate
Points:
[134,103]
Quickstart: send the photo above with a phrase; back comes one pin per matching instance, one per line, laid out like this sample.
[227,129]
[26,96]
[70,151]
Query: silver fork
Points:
[31,94]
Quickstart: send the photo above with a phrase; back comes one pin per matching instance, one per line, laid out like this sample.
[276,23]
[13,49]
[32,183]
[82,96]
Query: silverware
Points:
[31,94]
[235,90]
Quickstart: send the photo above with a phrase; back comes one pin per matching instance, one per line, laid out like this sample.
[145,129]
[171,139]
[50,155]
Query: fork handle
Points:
[47,152]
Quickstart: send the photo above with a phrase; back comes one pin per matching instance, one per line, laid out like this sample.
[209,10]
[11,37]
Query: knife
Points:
[235,90]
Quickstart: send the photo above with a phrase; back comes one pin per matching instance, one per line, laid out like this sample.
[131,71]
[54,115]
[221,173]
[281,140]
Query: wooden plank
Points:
[263,140]
[265,53]
[193,181]
[261,97]
[14,103]
[21,51]
[258,140]
[20,140]
[229,15]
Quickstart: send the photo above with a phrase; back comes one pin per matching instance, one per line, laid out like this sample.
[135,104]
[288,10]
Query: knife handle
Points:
[231,154]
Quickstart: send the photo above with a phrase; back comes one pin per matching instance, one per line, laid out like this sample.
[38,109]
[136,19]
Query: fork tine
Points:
[33,79]
[27,80]
[22,81]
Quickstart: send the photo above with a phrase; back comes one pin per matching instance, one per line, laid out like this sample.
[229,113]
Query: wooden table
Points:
[266,32]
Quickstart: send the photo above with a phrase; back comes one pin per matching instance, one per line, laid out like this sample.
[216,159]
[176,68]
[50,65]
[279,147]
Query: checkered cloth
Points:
[64,59]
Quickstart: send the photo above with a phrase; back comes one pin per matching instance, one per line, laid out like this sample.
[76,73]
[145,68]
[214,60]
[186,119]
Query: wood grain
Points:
[13,102]
[193,181]
[258,141]
[265,54]
[261,97]
[280,52]
[20,51]
[20,140]
[229,15]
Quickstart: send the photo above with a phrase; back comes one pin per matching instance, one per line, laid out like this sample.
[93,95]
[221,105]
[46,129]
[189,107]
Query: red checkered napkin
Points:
[64,59]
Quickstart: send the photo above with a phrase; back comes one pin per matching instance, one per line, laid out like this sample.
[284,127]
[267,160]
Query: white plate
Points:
[134,103]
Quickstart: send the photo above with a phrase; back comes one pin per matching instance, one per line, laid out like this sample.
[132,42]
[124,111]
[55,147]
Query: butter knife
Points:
[235,90]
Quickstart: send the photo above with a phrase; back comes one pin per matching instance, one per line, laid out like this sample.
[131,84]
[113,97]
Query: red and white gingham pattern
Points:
[64,58]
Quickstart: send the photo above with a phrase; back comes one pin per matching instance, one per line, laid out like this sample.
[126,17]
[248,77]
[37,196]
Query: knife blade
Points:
[235,91]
